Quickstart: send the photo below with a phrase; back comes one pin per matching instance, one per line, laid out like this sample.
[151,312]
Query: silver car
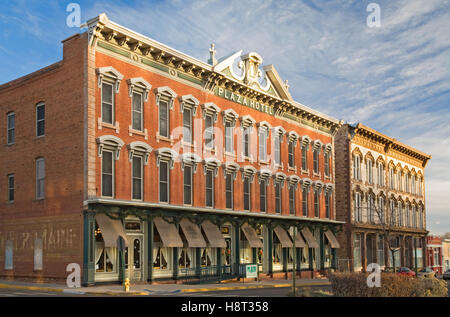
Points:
[426,272]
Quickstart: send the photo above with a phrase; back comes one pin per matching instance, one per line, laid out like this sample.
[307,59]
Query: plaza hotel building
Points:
[135,160]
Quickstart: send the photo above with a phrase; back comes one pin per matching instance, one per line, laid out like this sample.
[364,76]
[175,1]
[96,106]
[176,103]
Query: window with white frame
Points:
[247,193]
[413,184]
[229,121]
[358,207]
[187,185]
[408,214]
[407,182]
[229,184]
[137,112]
[421,218]
[188,107]
[400,214]
[277,134]
[209,131]
[381,211]
[305,200]
[304,157]
[380,174]
[109,81]
[317,202]
[356,167]
[369,171]
[292,191]
[107,103]
[164,181]
[209,181]
[40,178]
[278,197]
[11,128]
[263,133]
[328,203]
[109,148]
[137,166]
[393,211]
[107,173]
[326,157]
[391,178]
[414,216]
[371,208]
[316,160]
[164,100]
[40,119]
[263,194]
[163,118]
[399,180]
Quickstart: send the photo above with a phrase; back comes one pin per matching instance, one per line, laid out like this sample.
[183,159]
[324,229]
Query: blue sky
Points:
[395,78]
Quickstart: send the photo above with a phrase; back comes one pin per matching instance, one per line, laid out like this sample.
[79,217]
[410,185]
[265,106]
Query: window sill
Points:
[305,172]
[163,138]
[263,162]
[132,131]
[102,125]
[316,174]
[230,154]
[40,137]
[292,169]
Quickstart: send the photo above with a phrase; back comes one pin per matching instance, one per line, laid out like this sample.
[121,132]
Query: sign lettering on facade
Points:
[229,95]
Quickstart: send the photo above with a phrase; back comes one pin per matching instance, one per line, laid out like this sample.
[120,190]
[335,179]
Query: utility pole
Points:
[294,268]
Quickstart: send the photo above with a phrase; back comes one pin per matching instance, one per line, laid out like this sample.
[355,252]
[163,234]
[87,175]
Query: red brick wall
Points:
[123,166]
[57,219]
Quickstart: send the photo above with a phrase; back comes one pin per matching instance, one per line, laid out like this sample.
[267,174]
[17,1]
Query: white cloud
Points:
[395,78]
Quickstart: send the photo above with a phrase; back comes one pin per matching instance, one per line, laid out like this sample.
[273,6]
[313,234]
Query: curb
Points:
[230,288]
[192,290]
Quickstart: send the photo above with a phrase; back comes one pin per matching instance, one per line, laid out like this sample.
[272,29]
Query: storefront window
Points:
[305,257]
[187,256]
[105,258]
[357,250]
[245,252]
[207,256]
[160,254]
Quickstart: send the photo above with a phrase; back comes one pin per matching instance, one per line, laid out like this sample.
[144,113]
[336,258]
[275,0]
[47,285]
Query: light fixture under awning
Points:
[312,243]
[213,235]
[252,237]
[332,239]
[193,234]
[111,230]
[283,237]
[168,233]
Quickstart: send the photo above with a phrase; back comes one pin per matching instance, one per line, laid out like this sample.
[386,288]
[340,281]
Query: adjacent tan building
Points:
[380,193]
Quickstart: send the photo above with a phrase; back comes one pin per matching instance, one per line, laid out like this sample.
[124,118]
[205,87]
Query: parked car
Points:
[446,275]
[405,271]
[426,273]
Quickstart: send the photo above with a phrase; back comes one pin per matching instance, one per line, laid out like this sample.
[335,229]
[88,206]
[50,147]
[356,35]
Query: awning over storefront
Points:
[312,243]
[193,234]
[299,242]
[252,237]
[111,230]
[213,235]
[168,233]
[283,237]
[332,239]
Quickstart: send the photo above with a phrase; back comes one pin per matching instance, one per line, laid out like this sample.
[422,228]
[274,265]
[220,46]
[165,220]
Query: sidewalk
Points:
[161,289]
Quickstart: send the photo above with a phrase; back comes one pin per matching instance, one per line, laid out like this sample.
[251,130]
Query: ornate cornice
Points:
[101,28]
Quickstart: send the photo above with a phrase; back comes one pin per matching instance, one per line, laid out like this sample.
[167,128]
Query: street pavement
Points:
[23,288]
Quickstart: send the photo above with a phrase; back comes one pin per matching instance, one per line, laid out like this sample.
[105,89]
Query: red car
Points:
[405,271]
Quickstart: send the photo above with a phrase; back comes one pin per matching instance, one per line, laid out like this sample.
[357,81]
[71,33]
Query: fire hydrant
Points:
[126,285]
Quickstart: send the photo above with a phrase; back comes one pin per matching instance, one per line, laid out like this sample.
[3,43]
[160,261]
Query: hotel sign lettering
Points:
[229,95]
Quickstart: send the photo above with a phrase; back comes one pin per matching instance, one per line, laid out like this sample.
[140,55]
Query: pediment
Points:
[246,69]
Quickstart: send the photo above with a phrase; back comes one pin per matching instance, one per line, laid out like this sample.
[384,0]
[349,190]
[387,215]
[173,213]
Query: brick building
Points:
[446,254]
[133,159]
[380,195]
[435,254]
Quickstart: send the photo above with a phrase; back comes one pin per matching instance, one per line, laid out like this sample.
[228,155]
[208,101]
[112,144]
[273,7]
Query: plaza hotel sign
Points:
[229,95]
